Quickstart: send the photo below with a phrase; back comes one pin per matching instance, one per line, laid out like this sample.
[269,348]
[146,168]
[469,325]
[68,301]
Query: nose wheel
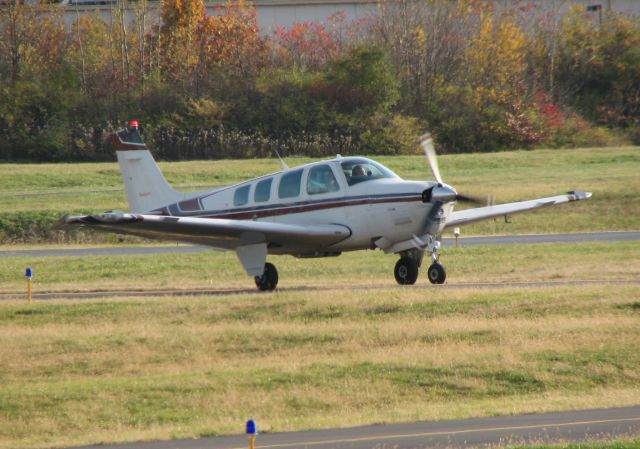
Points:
[406,271]
[269,279]
[436,273]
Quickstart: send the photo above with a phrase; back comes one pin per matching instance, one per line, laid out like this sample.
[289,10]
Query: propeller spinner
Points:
[442,192]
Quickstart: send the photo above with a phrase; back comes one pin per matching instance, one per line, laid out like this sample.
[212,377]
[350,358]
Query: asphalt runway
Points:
[611,236]
[571,426]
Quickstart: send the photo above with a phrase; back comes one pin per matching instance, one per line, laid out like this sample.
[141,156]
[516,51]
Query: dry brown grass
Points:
[125,369]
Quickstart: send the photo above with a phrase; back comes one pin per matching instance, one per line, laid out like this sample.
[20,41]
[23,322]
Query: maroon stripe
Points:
[309,208]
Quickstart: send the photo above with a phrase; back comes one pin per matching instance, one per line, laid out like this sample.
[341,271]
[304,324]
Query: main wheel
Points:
[436,273]
[269,279]
[406,271]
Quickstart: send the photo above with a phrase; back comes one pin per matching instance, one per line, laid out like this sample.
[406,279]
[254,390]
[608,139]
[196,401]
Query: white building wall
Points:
[283,13]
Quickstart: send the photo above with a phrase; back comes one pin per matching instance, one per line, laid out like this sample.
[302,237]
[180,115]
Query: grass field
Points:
[80,372]
[610,173]
[126,369]
[76,372]
[603,261]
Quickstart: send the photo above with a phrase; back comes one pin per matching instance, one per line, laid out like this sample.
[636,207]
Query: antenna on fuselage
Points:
[285,167]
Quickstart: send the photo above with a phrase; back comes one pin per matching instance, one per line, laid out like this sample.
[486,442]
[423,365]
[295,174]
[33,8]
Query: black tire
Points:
[406,271]
[436,273]
[269,279]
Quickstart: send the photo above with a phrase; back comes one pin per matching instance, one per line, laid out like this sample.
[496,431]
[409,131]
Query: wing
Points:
[481,213]
[250,239]
[214,232]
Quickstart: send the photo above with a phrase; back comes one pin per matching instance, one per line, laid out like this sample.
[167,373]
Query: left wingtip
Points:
[60,223]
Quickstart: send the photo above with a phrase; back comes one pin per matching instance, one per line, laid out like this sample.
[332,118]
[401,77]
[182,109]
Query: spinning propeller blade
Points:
[426,142]
[473,199]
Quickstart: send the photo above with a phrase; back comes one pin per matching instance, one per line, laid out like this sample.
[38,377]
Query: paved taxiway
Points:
[463,241]
[509,430]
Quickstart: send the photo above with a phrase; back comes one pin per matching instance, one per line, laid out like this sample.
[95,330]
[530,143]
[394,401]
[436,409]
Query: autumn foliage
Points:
[479,76]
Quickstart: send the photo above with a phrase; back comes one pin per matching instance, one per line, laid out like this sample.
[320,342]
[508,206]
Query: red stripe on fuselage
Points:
[286,210]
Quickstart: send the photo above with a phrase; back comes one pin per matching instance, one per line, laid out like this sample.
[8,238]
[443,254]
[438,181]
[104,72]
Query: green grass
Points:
[604,261]
[610,173]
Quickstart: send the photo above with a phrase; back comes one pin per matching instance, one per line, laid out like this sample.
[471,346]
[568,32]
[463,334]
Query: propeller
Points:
[426,142]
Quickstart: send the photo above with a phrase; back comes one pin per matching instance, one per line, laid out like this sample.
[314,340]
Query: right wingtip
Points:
[580,195]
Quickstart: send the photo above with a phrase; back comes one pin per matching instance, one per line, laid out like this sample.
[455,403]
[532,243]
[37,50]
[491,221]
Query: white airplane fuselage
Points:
[374,208]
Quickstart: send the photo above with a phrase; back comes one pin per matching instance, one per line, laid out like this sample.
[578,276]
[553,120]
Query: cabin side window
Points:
[321,180]
[263,190]
[289,186]
[241,195]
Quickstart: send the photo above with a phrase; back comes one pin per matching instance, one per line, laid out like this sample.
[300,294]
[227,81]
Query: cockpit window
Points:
[321,180]
[360,170]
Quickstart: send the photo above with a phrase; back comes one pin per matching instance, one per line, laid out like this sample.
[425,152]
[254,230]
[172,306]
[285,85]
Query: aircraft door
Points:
[324,194]
[263,193]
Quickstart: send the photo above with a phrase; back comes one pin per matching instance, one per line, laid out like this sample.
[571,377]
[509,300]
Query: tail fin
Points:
[146,187]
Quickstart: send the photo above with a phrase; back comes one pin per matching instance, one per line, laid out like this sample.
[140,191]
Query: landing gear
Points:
[269,279]
[436,273]
[406,271]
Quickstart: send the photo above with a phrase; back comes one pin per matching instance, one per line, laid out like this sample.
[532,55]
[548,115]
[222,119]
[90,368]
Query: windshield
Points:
[360,170]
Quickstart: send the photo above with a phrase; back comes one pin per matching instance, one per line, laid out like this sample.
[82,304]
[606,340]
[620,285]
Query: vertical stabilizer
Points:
[146,187]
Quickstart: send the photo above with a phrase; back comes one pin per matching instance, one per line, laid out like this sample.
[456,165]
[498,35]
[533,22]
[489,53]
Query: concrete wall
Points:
[283,13]
[271,14]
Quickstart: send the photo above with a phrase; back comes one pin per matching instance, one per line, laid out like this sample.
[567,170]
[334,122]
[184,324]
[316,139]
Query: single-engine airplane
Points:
[319,209]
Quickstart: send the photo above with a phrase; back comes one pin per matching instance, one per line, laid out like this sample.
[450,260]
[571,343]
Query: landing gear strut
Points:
[436,272]
[269,279]
[406,270]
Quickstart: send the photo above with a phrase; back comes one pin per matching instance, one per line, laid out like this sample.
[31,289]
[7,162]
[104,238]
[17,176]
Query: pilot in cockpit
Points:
[358,170]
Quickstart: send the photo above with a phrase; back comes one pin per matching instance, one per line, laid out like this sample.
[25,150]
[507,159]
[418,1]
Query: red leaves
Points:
[551,112]
[308,44]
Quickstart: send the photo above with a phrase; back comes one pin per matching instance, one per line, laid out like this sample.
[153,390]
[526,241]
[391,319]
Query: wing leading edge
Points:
[215,232]
[481,213]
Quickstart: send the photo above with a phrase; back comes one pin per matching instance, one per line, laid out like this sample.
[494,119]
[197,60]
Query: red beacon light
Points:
[133,123]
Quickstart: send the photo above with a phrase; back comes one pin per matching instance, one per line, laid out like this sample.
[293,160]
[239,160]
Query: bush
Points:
[391,135]
[633,133]
[577,132]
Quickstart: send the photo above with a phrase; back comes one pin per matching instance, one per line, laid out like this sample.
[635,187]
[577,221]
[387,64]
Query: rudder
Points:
[145,185]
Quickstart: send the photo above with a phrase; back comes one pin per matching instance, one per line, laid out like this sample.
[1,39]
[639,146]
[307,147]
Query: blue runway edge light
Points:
[252,427]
